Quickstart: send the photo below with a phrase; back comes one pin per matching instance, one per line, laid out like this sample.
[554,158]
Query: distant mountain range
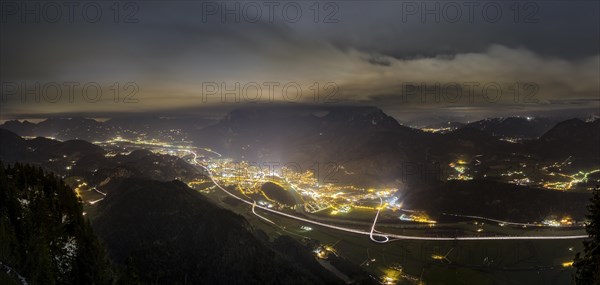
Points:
[348,144]
[374,149]
[514,127]
[81,158]
[38,150]
[92,130]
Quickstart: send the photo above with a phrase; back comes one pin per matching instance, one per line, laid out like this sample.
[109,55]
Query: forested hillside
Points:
[44,237]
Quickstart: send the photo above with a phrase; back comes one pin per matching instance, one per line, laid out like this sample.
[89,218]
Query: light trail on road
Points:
[493,220]
[255,213]
[385,236]
[98,191]
[95,201]
[209,150]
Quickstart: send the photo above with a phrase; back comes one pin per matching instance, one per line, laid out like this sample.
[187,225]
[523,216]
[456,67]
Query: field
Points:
[438,262]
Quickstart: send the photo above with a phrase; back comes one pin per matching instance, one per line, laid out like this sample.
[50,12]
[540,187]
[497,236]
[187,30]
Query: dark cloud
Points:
[369,53]
[565,29]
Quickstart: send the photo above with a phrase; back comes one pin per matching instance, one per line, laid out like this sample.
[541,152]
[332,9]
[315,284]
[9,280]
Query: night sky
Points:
[357,52]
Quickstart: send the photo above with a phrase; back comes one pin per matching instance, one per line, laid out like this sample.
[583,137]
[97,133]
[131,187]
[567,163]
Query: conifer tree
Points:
[588,265]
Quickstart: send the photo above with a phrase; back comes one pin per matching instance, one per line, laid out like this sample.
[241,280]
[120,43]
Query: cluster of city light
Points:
[395,274]
[419,217]
[461,168]
[510,140]
[565,221]
[324,251]
[314,197]
[387,280]
[519,177]
[579,177]
[567,264]
[153,145]
[121,146]
[438,130]
[79,187]
[372,233]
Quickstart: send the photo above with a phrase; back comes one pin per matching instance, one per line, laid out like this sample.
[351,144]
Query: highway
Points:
[384,236]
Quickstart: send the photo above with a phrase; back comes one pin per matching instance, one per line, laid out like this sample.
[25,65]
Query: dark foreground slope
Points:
[166,233]
[44,238]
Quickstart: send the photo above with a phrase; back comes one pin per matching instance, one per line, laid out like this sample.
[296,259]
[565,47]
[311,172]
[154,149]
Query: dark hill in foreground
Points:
[167,233]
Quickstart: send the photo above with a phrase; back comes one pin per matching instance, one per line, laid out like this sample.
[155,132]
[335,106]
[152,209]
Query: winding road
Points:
[385,237]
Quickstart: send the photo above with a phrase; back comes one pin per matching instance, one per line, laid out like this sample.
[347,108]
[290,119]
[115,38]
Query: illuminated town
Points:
[294,193]
[303,190]
[554,176]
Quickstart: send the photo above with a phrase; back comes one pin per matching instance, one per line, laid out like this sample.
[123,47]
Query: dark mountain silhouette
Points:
[365,147]
[24,128]
[167,233]
[12,146]
[61,128]
[78,157]
[570,138]
[497,200]
[363,140]
[574,131]
[39,150]
[468,141]
[107,172]
[71,128]
[514,127]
